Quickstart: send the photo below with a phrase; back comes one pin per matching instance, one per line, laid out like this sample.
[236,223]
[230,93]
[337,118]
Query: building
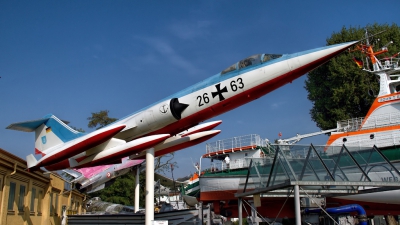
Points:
[38,197]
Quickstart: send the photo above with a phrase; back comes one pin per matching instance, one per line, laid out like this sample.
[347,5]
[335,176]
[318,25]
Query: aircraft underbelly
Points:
[145,121]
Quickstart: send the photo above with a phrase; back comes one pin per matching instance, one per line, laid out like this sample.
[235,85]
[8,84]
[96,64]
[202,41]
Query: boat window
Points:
[252,60]
[268,57]
[229,69]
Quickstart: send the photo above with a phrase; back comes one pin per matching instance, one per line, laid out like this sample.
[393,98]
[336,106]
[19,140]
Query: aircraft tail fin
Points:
[49,132]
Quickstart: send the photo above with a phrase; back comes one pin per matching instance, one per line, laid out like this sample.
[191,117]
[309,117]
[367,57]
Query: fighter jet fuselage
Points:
[174,122]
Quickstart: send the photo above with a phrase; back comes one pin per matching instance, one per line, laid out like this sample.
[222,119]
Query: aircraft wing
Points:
[91,179]
[89,172]
[128,163]
[115,149]
[79,177]
[72,173]
[62,147]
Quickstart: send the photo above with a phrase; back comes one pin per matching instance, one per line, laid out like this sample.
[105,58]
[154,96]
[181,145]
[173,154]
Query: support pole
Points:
[149,216]
[200,216]
[137,187]
[209,214]
[297,204]
[240,213]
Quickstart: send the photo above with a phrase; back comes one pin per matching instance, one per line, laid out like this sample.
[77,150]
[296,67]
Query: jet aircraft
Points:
[174,122]
[92,179]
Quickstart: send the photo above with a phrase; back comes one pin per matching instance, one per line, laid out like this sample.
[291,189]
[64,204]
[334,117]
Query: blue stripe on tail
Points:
[60,129]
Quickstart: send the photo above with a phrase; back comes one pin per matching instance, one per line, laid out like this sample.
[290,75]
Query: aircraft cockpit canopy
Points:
[249,61]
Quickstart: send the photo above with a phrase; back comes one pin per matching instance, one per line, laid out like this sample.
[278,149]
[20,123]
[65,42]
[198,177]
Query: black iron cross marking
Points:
[219,92]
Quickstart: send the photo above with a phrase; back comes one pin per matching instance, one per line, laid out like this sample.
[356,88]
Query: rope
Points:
[256,212]
[245,208]
[287,197]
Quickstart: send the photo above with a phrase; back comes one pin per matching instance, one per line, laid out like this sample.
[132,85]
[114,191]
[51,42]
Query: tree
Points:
[120,192]
[339,90]
[100,119]
[78,129]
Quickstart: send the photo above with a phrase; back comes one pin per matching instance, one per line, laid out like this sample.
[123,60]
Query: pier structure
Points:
[315,175]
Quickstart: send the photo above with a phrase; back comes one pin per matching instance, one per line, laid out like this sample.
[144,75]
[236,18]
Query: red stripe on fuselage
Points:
[80,147]
[239,99]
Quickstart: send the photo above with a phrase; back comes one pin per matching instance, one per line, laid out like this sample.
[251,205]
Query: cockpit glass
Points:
[252,60]
[268,57]
[229,69]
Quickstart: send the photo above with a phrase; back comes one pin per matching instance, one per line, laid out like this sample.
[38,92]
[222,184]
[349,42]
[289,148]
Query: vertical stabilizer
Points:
[49,132]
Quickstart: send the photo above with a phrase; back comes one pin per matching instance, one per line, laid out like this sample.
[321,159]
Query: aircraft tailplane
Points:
[31,160]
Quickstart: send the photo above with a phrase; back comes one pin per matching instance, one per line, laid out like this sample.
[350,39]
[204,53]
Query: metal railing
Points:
[383,120]
[236,164]
[235,143]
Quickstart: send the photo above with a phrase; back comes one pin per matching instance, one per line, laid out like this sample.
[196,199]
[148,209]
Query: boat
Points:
[218,183]
[381,125]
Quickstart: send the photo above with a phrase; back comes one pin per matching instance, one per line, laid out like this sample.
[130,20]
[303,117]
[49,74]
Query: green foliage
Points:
[339,89]
[122,191]
[244,222]
[100,119]
[78,129]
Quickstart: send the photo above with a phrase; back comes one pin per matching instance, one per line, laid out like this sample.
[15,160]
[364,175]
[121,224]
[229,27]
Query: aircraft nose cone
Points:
[303,62]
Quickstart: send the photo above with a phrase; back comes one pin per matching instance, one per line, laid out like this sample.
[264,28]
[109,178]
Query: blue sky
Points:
[72,58]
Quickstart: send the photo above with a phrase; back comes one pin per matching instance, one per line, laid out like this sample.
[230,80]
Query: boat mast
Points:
[377,68]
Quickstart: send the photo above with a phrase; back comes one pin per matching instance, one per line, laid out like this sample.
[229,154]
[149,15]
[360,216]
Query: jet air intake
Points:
[159,115]
[177,108]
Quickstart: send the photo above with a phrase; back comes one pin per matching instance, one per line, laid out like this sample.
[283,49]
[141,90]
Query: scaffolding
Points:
[320,171]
